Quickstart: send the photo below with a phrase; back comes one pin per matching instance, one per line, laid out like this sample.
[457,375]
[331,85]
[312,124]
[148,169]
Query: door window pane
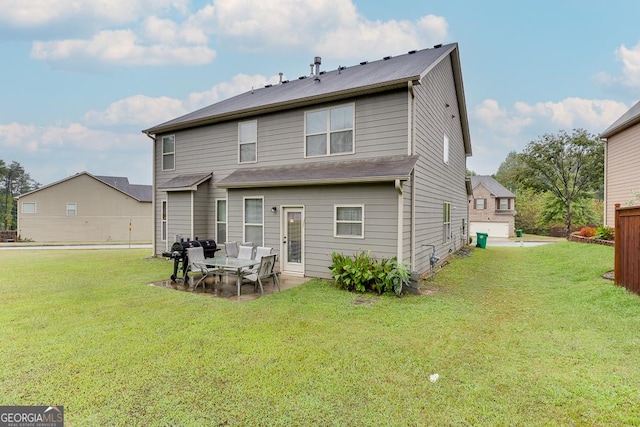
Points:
[294,237]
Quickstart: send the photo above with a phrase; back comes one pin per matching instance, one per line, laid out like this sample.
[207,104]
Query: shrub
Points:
[587,232]
[363,273]
[605,233]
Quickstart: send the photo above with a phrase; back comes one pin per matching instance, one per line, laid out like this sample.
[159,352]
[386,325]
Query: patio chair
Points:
[245,252]
[196,264]
[262,251]
[264,271]
[232,249]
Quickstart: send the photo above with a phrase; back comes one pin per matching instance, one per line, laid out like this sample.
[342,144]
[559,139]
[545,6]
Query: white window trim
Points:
[244,216]
[35,208]
[75,208]
[255,142]
[226,205]
[500,200]
[328,132]
[167,153]
[335,221]
[484,204]
[164,222]
[445,149]
[446,231]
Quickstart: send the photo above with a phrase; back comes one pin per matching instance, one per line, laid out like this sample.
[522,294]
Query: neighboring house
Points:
[365,157]
[621,163]
[87,208]
[492,209]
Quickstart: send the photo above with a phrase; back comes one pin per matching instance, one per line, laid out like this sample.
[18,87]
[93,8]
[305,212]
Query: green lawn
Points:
[518,336]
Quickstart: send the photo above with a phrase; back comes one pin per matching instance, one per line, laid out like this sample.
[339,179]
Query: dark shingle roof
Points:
[492,185]
[184,182]
[346,81]
[143,193]
[628,119]
[378,169]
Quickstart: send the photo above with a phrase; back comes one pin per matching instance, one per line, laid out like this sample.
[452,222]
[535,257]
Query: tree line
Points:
[558,179]
[14,181]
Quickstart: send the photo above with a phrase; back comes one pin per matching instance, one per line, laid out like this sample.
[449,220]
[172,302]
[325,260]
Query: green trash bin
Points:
[482,240]
[519,233]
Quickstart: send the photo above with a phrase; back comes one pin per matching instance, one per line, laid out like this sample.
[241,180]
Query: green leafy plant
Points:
[363,273]
[605,233]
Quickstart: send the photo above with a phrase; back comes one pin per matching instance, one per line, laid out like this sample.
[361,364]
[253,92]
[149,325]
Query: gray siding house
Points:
[365,157]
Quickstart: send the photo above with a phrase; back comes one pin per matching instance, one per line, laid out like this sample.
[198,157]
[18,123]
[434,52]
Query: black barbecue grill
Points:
[180,257]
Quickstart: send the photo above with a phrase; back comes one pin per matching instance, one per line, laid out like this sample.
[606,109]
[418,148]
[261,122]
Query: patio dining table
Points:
[227,263]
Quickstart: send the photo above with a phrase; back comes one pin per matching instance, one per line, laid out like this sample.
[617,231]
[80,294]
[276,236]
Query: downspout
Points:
[398,186]
[606,208]
[153,196]
[192,231]
[412,151]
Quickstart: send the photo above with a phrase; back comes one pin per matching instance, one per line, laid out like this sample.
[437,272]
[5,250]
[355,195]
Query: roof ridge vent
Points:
[437,46]
[364,62]
[411,52]
[387,58]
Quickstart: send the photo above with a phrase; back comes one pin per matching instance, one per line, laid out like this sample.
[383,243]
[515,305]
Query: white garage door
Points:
[493,229]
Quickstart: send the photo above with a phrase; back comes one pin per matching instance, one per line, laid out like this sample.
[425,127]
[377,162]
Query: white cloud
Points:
[124,47]
[145,111]
[37,13]
[630,75]
[496,130]
[323,26]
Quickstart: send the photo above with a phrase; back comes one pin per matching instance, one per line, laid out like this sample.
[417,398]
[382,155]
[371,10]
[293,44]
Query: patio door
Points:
[293,240]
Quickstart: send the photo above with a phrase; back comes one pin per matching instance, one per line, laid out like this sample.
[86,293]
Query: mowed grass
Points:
[518,336]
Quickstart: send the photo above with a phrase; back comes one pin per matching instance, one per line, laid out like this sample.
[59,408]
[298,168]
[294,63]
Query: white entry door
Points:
[293,240]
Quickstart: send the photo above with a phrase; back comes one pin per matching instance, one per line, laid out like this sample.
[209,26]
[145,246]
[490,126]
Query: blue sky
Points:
[81,79]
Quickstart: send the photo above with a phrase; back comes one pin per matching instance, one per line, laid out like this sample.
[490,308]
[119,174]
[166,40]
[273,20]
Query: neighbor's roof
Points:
[492,185]
[142,193]
[185,182]
[628,119]
[345,82]
[379,169]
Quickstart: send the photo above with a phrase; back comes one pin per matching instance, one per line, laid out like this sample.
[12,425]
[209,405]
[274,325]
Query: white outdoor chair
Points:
[232,249]
[245,252]
[196,264]
[264,271]
[262,251]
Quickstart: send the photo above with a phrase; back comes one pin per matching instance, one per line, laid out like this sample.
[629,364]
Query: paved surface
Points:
[497,241]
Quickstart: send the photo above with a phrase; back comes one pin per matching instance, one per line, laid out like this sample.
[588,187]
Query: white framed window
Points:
[503,204]
[479,204]
[168,153]
[349,221]
[329,131]
[253,218]
[248,142]
[72,209]
[445,149]
[446,221]
[163,231]
[221,220]
[28,208]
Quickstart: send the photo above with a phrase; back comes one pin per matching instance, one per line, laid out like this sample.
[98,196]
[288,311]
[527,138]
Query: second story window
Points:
[479,204]
[503,204]
[72,209]
[168,153]
[248,142]
[329,131]
[28,208]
